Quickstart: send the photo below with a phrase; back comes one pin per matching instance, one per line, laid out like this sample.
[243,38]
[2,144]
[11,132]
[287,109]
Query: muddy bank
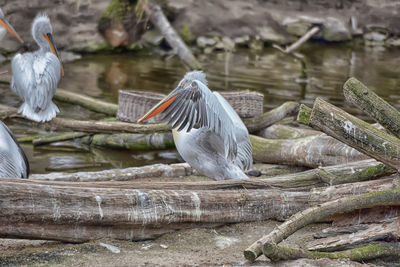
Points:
[249,23]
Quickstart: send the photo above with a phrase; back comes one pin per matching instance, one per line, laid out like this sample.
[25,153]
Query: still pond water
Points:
[279,77]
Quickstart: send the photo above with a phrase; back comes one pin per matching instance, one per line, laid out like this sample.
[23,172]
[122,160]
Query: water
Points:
[279,77]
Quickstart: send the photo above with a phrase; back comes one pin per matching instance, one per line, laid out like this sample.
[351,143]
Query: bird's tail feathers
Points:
[44,115]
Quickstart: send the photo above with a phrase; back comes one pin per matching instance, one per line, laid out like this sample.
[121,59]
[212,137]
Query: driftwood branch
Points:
[291,48]
[86,102]
[157,17]
[369,102]
[268,118]
[77,212]
[356,133]
[316,213]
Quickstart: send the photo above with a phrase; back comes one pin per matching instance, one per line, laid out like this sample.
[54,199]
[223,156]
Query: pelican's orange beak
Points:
[160,107]
[10,29]
[49,38]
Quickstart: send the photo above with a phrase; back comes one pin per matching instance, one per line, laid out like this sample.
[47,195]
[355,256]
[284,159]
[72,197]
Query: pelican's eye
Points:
[182,84]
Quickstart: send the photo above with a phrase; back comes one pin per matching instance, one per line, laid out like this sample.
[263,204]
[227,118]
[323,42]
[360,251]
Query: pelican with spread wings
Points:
[208,133]
[35,76]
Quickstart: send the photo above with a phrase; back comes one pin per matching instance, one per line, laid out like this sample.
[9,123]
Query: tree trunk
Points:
[76,213]
[356,133]
[369,102]
[51,138]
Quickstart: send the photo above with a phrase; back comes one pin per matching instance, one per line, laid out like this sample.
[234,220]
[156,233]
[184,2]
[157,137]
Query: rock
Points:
[375,36]
[225,241]
[111,248]
[228,43]
[335,30]
[268,34]
[69,56]
[153,37]
[256,44]
[163,246]
[298,27]
[203,42]
[241,41]
[393,42]
[116,34]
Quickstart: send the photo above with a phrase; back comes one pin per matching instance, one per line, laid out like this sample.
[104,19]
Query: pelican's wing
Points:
[23,78]
[13,161]
[47,71]
[244,148]
[196,104]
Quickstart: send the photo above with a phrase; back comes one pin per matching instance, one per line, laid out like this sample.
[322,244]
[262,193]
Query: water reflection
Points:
[279,77]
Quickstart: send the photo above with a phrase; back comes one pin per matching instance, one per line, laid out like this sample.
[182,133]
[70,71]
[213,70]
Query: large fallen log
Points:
[76,213]
[356,133]
[47,139]
[86,102]
[268,118]
[312,151]
[318,212]
[157,17]
[369,102]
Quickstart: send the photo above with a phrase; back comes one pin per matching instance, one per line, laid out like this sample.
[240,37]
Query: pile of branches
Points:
[348,176]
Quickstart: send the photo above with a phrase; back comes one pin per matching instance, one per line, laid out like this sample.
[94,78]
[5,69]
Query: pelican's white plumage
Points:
[13,162]
[208,133]
[36,75]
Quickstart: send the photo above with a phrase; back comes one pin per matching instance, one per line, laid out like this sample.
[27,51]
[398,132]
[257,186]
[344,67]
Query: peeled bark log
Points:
[86,102]
[159,20]
[369,102]
[372,215]
[278,131]
[374,232]
[268,118]
[356,133]
[368,252]
[321,211]
[312,151]
[31,209]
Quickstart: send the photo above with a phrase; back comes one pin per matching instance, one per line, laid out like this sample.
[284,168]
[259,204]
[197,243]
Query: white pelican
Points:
[13,162]
[208,133]
[7,28]
[36,75]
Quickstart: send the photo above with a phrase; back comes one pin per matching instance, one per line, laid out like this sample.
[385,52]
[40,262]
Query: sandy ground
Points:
[221,246]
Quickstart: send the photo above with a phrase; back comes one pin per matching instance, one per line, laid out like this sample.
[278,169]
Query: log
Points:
[374,232]
[369,102]
[304,114]
[51,138]
[348,173]
[312,151]
[318,212]
[86,102]
[268,118]
[356,133]
[364,253]
[278,131]
[364,216]
[158,19]
[30,209]
[136,142]
[6,111]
